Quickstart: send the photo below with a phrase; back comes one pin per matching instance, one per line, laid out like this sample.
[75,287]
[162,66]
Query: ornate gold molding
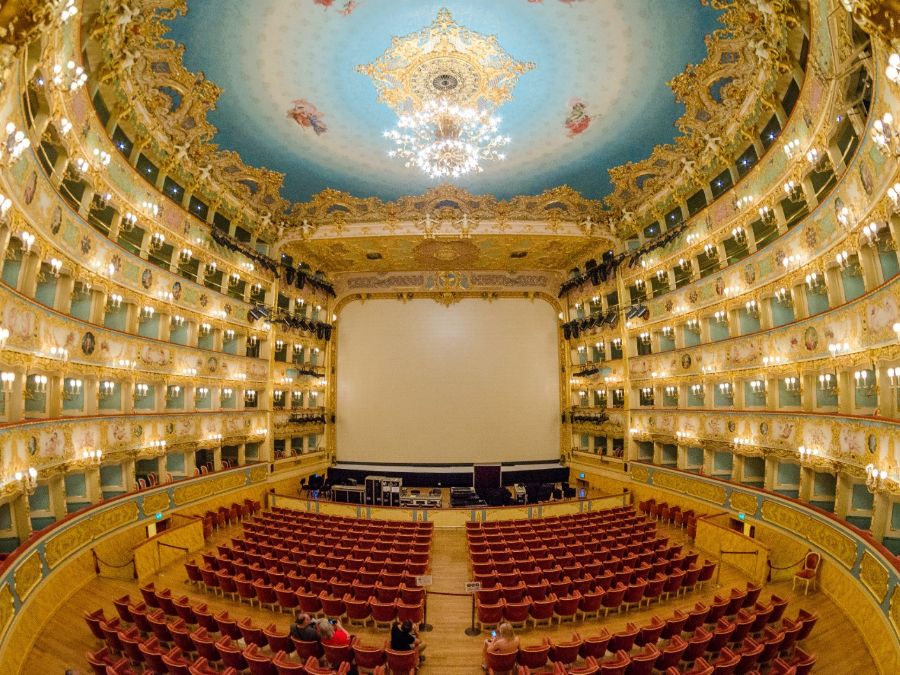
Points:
[874,575]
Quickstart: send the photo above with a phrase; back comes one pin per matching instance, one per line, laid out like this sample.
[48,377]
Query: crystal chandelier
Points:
[446,140]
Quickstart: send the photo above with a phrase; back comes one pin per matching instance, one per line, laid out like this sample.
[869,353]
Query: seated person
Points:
[405,637]
[504,642]
[304,628]
[332,633]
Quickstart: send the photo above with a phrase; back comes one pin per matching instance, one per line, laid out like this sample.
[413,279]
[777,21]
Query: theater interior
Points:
[480,316]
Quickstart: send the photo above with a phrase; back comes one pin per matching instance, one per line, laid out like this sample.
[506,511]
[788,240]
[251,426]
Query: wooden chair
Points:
[809,572]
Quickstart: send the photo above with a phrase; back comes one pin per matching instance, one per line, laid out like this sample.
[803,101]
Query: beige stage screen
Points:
[418,382]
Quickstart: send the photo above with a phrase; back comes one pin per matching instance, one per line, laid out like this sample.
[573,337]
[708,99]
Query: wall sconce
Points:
[70,77]
[639,284]
[793,190]
[71,388]
[617,342]
[820,161]
[646,394]
[876,480]
[720,316]
[15,144]
[150,207]
[884,135]
[660,275]
[892,373]
[618,397]
[177,321]
[758,386]
[28,479]
[36,384]
[129,220]
[739,234]
[7,379]
[229,335]
[159,447]
[126,364]
[864,384]
[742,202]
[752,308]
[279,345]
[741,442]
[256,289]
[114,301]
[250,395]
[201,393]
[234,279]
[838,348]
[278,395]
[853,269]
[772,360]
[846,217]
[217,438]
[792,384]
[808,453]
[105,389]
[685,264]
[173,392]
[815,282]
[211,268]
[711,251]
[102,157]
[226,394]
[828,382]
[204,329]
[791,261]
[671,391]
[792,148]
[60,353]
[783,297]
[146,314]
[55,265]
[697,390]
[767,215]
[91,457]
[185,255]
[726,390]
[141,391]
[157,241]
[683,435]
[870,232]
[693,325]
[27,240]
[668,332]
[5,205]
[190,372]
[644,338]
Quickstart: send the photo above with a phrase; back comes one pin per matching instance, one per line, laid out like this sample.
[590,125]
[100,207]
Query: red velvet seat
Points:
[649,633]
[613,598]
[383,613]
[642,663]
[259,664]
[402,661]
[623,640]
[205,645]
[595,645]
[517,613]
[541,611]
[566,607]
[671,654]
[497,662]
[488,614]
[533,656]
[697,644]
[307,649]
[568,652]
[614,666]
[285,666]
[231,654]
[366,658]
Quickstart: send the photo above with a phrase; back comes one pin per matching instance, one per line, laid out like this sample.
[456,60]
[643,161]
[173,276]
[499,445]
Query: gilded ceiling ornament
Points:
[444,61]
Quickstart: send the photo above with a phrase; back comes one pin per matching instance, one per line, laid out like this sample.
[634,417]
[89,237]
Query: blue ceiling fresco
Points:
[294,102]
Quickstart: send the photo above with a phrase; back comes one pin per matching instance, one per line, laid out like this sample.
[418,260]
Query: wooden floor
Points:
[65,637]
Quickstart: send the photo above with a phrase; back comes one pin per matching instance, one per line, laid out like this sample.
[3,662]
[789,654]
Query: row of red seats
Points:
[332,522]
[572,530]
[593,517]
[225,515]
[381,602]
[279,544]
[647,562]
[758,643]
[172,645]
[627,540]
[275,571]
[537,605]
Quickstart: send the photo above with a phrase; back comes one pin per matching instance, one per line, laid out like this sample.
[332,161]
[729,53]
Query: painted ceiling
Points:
[294,100]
